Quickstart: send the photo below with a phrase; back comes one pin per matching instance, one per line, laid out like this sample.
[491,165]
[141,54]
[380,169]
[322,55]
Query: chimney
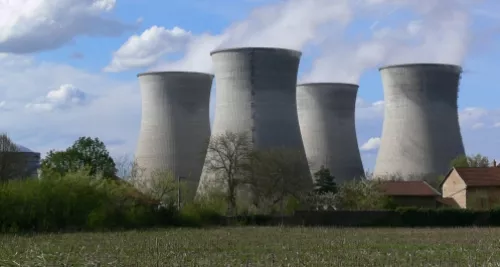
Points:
[494,163]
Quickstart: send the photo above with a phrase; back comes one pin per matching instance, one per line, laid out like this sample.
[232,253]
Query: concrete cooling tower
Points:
[175,124]
[421,132]
[256,94]
[327,123]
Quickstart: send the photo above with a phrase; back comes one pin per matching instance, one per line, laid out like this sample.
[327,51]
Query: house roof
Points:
[408,188]
[479,177]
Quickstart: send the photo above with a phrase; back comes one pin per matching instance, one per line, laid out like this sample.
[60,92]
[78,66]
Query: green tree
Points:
[86,152]
[324,182]
[472,161]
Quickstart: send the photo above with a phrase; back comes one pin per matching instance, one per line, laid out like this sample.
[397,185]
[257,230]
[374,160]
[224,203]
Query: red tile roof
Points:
[408,188]
[480,177]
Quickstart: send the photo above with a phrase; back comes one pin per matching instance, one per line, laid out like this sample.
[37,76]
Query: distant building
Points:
[473,188]
[30,162]
[411,193]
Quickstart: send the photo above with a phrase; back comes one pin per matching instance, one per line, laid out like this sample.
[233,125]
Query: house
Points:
[411,193]
[473,188]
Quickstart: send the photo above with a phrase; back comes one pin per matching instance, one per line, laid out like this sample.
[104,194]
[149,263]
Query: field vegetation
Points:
[264,246]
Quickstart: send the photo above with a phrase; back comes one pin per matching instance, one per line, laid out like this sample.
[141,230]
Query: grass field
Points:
[266,246]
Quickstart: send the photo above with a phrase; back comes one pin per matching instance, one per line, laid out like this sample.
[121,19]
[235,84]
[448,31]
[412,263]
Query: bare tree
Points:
[12,163]
[159,185]
[227,156]
[277,174]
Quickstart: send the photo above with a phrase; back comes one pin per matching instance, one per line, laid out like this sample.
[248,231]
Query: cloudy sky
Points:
[67,67]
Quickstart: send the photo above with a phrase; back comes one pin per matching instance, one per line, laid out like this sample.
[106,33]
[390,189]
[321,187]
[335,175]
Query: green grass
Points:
[265,246]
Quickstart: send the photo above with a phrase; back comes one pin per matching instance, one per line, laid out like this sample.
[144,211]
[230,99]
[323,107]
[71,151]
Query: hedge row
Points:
[403,217]
[447,217]
[77,202]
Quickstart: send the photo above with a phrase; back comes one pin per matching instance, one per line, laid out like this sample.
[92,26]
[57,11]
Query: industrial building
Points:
[175,124]
[19,162]
[31,160]
[326,116]
[28,162]
[421,131]
[256,94]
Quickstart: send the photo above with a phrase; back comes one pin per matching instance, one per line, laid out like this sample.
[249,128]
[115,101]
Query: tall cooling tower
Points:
[175,124]
[256,94]
[327,123]
[421,132]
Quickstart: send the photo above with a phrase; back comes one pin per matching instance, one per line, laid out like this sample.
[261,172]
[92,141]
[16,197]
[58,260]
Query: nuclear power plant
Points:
[256,94]
[421,131]
[175,123]
[326,116]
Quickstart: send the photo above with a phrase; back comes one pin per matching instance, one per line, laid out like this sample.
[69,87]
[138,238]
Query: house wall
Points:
[454,187]
[415,201]
[483,197]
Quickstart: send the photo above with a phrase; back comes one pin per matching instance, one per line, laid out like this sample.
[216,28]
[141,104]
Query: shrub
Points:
[76,201]
[196,214]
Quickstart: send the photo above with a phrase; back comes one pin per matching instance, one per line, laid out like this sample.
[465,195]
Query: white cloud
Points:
[113,115]
[146,49]
[289,24]
[64,97]
[372,144]
[478,125]
[3,105]
[440,34]
[470,116]
[299,24]
[28,26]
[476,118]
[365,110]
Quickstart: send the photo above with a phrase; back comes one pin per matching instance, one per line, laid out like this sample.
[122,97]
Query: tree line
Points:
[247,181]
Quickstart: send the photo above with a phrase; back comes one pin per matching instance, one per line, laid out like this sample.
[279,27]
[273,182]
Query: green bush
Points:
[494,218]
[197,214]
[75,202]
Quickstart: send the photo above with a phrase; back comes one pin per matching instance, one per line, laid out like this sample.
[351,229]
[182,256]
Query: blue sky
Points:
[67,69]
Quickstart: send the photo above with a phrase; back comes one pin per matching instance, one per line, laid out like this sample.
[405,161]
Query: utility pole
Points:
[282,198]
[179,192]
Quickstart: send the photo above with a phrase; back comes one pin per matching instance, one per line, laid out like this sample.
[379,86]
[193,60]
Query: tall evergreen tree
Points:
[324,182]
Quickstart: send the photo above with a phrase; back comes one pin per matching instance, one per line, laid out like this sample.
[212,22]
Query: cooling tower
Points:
[326,117]
[175,124]
[256,94]
[421,132]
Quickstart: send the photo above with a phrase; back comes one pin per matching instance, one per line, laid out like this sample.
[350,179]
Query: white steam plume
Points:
[288,24]
[430,31]
[437,32]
